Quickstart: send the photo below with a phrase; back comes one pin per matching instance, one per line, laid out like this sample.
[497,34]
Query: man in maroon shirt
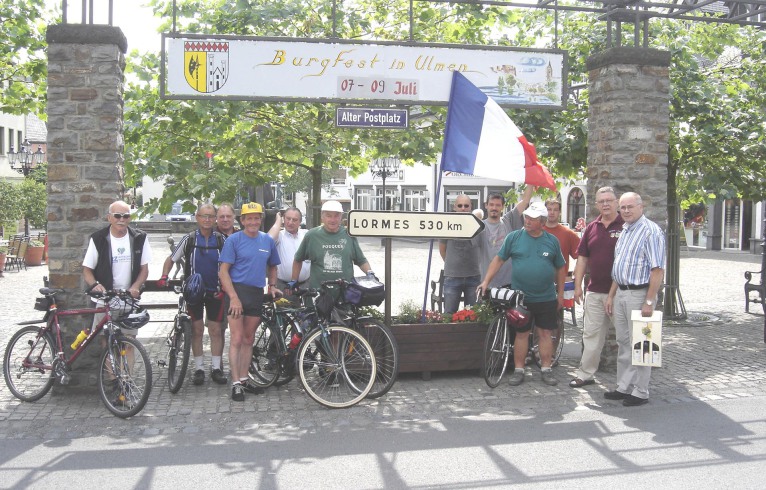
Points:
[596,255]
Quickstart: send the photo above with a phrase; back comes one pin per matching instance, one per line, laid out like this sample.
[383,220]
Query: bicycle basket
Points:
[42,304]
[365,291]
[324,305]
[505,295]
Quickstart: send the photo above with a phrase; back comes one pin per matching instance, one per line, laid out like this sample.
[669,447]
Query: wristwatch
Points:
[649,302]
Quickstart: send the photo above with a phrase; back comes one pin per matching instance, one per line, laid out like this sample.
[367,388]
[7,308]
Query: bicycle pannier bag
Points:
[324,304]
[365,291]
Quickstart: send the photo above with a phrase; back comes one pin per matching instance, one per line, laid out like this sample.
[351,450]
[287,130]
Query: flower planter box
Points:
[430,347]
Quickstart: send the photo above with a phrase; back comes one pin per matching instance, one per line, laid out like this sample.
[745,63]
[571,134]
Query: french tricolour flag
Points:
[480,139]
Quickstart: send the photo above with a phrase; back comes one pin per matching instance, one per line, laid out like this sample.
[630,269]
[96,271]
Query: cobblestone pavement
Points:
[719,355]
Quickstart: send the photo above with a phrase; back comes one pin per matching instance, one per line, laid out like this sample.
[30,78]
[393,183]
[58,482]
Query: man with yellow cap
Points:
[248,258]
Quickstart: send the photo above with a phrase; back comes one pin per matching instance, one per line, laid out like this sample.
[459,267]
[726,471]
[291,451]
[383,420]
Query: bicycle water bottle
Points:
[80,337]
[294,341]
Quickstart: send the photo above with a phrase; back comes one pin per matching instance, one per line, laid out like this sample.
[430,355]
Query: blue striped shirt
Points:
[640,248]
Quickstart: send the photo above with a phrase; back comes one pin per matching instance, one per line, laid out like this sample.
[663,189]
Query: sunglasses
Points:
[121,215]
[462,205]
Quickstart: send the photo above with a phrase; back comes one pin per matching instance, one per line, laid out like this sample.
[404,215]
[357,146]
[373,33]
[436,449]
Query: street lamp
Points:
[24,161]
[383,168]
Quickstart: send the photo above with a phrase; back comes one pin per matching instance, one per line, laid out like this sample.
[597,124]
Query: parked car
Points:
[178,214]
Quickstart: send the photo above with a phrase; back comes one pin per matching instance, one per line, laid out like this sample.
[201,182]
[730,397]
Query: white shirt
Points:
[121,259]
[287,245]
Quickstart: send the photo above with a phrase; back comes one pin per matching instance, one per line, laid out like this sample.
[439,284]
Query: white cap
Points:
[536,210]
[332,206]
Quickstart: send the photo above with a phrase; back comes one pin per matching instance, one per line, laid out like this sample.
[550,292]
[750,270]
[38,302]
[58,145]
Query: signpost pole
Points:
[384,167]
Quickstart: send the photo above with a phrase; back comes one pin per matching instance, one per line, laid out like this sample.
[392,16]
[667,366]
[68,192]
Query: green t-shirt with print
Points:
[535,262]
[332,255]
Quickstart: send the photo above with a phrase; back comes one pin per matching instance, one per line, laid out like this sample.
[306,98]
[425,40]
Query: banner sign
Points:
[285,69]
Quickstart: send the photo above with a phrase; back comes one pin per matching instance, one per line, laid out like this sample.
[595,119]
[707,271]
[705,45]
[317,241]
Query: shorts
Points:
[213,306]
[251,298]
[545,313]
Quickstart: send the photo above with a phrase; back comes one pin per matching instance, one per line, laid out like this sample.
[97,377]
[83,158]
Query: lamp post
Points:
[24,161]
[383,168]
[386,167]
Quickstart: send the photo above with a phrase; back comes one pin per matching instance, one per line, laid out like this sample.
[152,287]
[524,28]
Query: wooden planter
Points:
[430,347]
[34,255]
[2,261]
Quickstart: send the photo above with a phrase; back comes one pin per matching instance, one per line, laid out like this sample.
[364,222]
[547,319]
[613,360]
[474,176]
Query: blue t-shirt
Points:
[535,262]
[250,257]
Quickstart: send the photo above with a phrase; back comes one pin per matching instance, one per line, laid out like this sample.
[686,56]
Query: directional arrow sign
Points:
[413,225]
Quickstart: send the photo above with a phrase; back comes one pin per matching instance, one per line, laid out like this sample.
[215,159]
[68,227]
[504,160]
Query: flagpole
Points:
[431,244]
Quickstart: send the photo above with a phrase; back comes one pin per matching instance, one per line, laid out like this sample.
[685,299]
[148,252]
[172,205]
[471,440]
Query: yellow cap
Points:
[251,207]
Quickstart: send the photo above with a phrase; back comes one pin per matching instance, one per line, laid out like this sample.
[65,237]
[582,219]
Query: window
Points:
[415,200]
[391,199]
[2,140]
[365,200]
[575,206]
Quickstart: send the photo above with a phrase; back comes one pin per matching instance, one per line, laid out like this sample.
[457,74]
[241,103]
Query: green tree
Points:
[10,207]
[23,63]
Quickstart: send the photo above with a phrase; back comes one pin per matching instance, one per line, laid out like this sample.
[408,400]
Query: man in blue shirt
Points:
[637,274]
[200,251]
[247,259]
[539,272]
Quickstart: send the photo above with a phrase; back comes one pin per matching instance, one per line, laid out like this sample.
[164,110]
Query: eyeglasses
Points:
[206,216]
[462,205]
[604,202]
[628,207]
[120,215]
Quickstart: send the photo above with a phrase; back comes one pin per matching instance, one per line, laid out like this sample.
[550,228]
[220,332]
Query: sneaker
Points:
[517,377]
[218,376]
[549,378]
[199,377]
[237,393]
[251,388]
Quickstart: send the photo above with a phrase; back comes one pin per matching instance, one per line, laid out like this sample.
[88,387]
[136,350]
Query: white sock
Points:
[199,361]
[243,380]
[216,362]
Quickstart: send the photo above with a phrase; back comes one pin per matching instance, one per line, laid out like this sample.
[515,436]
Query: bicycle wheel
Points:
[125,377]
[336,366]
[179,346]
[497,350]
[557,338]
[386,352]
[28,362]
[264,364]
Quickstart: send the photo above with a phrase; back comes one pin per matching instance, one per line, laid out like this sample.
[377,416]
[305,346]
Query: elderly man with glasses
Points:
[595,257]
[117,256]
[462,272]
[200,251]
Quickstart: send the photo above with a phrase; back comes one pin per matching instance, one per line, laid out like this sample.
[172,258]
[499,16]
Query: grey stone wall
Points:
[85,156]
[628,126]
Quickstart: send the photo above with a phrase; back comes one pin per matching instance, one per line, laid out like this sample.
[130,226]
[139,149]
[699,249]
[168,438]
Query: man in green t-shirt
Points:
[330,249]
[539,272]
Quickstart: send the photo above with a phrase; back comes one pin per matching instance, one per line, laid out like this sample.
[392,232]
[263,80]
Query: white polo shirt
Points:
[287,245]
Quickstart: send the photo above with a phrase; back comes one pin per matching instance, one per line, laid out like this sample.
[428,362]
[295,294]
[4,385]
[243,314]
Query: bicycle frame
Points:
[53,326]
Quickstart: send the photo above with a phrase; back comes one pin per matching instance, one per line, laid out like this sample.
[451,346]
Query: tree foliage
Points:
[23,63]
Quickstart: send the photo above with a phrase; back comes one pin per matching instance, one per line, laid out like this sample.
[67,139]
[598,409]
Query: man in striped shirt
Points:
[637,274]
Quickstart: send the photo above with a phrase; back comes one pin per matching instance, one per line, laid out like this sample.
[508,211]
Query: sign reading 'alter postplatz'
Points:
[413,225]
[365,117]
[285,69]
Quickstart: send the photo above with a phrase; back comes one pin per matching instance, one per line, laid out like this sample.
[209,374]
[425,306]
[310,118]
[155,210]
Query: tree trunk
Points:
[673,305]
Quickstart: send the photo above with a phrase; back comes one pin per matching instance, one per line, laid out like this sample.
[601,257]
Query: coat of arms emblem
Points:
[206,65]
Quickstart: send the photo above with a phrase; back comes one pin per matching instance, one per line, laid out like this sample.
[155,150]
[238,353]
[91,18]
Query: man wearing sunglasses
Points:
[117,256]
[461,264]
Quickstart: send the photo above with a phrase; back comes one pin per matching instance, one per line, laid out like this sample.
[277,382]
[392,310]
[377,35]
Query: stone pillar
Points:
[85,157]
[628,126]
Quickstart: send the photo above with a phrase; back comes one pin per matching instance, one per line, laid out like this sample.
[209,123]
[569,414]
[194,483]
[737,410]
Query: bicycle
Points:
[179,345]
[34,357]
[335,364]
[377,333]
[498,343]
